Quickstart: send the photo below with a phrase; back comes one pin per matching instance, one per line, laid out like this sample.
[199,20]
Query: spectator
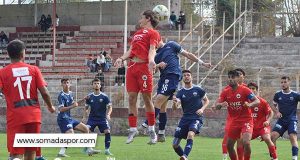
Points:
[90,64]
[172,20]
[3,39]
[100,76]
[100,62]
[120,78]
[108,60]
[42,23]
[48,21]
[57,20]
[181,20]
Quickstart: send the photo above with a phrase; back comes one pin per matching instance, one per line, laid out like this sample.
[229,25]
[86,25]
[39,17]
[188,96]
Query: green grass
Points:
[203,149]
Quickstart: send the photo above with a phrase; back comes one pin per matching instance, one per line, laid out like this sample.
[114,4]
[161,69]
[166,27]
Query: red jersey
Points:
[141,41]
[237,112]
[19,82]
[260,113]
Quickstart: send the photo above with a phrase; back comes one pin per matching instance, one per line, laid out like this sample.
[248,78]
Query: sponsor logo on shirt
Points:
[195,94]
[22,71]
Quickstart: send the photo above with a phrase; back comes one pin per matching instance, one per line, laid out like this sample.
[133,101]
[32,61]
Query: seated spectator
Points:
[90,64]
[3,39]
[101,62]
[108,60]
[42,23]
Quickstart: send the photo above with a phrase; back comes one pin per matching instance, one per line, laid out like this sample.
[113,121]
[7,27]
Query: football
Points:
[161,11]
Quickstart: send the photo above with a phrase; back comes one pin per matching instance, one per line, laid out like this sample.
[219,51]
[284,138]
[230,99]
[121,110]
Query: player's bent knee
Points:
[106,131]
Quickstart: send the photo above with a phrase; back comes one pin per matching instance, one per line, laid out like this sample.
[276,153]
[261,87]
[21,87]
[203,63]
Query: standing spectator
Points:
[20,82]
[181,20]
[172,19]
[57,20]
[48,22]
[3,39]
[42,23]
[90,64]
[120,78]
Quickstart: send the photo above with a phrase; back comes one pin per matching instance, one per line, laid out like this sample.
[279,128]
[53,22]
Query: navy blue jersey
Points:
[191,101]
[169,54]
[287,104]
[98,104]
[65,100]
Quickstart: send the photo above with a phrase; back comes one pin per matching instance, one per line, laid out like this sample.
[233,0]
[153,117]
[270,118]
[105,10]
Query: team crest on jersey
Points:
[145,31]
[280,98]
[144,77]
[195,93]
[92,101]
[238,96]
[183,96]
[101,100]
[167,81]
[255,109]
[291,98]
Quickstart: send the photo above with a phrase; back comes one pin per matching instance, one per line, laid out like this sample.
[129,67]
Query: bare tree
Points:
[293,12]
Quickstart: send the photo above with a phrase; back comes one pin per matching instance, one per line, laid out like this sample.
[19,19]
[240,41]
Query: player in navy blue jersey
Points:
[167,60]
[100,111]
[285,108]
[65,122]
[193,101]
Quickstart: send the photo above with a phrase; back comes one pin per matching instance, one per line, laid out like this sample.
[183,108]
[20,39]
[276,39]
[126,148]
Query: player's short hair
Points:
[96,80]
[186,71]
[286,78]
[241,70]
[152,16]
[64,80]
[252,84]
[15,49]
[233,73]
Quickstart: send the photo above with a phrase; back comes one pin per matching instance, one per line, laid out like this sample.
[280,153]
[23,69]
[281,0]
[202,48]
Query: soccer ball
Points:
[161,11]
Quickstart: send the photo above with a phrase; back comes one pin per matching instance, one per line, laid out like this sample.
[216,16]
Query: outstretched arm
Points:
[194,58]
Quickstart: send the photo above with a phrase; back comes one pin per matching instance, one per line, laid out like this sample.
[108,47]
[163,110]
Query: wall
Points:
[86,13]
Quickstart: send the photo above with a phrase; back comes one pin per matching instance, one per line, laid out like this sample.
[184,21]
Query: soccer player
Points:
[65,122]
[240,148]
[19,83]
[100,111]
[139,75]
[193,101]
[262,116]
[285,109]
[167,60]
[241,123]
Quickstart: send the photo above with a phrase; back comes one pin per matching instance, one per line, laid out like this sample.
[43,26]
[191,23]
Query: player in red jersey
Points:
[236,99]
[139,75]
[262,116]
[240,149]
[19,83]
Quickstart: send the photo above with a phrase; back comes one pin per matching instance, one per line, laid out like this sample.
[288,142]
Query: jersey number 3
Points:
[19,85]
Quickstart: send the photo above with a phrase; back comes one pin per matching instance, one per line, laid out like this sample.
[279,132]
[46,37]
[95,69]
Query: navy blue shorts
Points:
[167,85]
[281,126]
[101,124]
[66,124]
[186,125]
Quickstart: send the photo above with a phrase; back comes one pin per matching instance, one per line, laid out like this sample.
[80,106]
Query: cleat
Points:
[153,138]
[183,158]
[131,136]
[143,129]
[161,138]
[62,155]
[107,152]
[92,152]
[40,158]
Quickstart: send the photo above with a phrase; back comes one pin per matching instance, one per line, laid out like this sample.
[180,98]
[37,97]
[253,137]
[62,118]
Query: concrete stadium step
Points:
[80,52]
[265,52]
[94,39]
[270,45]
[99,33]
[273,40]
[83,45]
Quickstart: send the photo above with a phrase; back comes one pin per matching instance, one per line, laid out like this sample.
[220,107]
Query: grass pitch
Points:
[203,149]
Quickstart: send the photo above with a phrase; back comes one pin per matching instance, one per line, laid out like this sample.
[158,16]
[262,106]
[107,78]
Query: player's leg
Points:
[292,131]
[30,152]
[234,133]
[162,122]
[272,149]
[156,110]
[224,147]
[181,132]
[176,146]
[230,148]
[29,155]
[246,137]
[278,131]
[240,149]
[107,142]
[132,118]
[38,155]
[62,151]
[11,132]
[189,145]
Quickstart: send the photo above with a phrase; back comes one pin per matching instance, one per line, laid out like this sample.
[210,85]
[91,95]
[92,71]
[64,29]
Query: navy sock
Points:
[295,151]
[162,121]
[157,110]
[179,151]
[188,147]
[107,140]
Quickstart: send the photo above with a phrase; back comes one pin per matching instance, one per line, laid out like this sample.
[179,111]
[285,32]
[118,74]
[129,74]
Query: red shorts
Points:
[235,131]
[260,131]
[139,78]
[24,128]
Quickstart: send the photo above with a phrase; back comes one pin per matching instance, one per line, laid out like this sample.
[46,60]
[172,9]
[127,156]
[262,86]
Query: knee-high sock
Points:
[151,118]
[38,152]
[295,151]
[107,140]
[179,150]
[224,144]
[272,151]
[162,121]
[157,110]
[132,120]
[188,147]
[240,152]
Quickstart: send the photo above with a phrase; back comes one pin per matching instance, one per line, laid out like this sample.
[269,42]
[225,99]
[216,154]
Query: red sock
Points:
[38,152]
[132,120]
[272,151]
[224,144]
[151,118]
[247,157]
[240,152]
